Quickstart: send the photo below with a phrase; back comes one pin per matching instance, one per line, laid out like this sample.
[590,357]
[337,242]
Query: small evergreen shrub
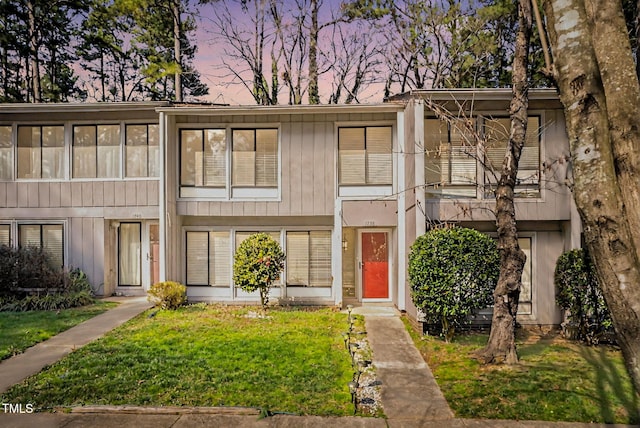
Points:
[258,262]
[578,292]
[452,274]
[168,294]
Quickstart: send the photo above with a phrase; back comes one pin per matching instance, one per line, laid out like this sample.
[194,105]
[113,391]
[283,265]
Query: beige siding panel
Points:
[109,194]
[285,149]
[237,209]
[98,256]
[23,197]
[87,194]
[192,208]
[43,195]
[226,209]
[214,208]
[54,194]
[76,194]
[32,194]
[152,192]
[75,242]
[131,194]
[65,194]
[141,193]
[308,168]
[120,194]
[330,151]
[549,246]
[370,213]
[295,169]
[272,208]
[202,208]
[249,208]
[12,195]
[98,194]
[319,172]
[3,194]
[261,208]
[87,249]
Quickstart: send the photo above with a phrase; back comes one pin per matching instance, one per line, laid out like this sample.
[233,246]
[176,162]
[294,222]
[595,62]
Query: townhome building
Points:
[136,193]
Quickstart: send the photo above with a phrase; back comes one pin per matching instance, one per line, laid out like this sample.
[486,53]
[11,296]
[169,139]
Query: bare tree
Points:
[250,43]
[501,346]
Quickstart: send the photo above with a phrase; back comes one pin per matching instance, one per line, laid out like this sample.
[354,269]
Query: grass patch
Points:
[293,361]
[21,330]
[556,380]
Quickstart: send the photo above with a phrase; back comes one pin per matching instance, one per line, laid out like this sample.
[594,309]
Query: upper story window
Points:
[96,151]
[203,158]
[496,132]
[142,151]
[241,163]
[450,158]
[255,158]
[41,152]
[455,167]
[365,156]
[6,153]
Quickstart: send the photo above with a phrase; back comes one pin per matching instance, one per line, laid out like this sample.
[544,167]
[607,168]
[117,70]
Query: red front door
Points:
[375,265]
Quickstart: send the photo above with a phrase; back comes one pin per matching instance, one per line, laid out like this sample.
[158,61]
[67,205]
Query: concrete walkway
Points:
[34,359]
[410,395]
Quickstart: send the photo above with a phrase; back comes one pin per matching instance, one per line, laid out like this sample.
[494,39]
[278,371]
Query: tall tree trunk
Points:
[33,54]
[176,49]
[501,346]
[590,116]
[314,95]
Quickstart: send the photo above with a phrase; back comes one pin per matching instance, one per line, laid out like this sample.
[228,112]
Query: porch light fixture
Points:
[345,244]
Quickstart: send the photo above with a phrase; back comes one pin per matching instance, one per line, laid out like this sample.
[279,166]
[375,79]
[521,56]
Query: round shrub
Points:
[578,292]
[453,273]
[258,262]
[168,294]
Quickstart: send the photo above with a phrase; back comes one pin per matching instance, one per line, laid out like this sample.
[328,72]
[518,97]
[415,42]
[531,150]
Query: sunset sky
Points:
[208,59]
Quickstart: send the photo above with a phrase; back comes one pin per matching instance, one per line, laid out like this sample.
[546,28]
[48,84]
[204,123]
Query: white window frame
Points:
[229,192]
[15,233]
[365,190]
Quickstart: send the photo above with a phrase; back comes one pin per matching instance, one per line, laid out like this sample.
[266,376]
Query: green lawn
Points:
[292,361]
[20,330]
[555,380]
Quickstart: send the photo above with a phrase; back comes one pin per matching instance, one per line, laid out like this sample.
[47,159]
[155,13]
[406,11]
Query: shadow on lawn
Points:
[610,382]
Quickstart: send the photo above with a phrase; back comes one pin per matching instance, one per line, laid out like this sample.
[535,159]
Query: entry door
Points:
[154,253]
[129,254]
[375,265]
[138,254]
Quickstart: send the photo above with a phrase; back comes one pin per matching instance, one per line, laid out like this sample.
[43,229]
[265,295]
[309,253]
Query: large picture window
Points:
[450,159]
[209,258]
[47,236]
[309,259]
[255,158]
[141,152]
[365,156]
[41,152]
[6,153]
[96,151]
